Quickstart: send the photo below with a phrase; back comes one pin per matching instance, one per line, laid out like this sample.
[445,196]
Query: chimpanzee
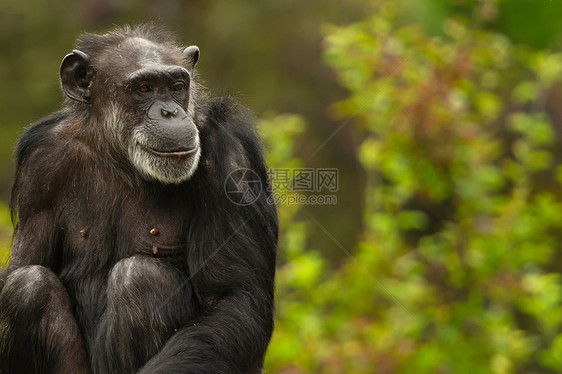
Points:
[129,254]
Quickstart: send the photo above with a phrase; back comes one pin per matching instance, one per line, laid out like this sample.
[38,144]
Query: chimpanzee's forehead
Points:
[136,53]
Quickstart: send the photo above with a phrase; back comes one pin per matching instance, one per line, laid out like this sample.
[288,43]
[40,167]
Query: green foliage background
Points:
[458,268]
[446,258]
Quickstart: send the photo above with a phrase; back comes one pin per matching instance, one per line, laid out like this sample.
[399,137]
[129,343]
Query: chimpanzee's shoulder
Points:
[222,110]
[38,135]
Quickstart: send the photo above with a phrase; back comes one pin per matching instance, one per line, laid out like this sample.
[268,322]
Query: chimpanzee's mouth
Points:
[177,153]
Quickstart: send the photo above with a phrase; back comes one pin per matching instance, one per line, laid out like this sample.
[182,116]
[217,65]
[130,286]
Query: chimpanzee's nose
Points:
[166,110]
[169,113]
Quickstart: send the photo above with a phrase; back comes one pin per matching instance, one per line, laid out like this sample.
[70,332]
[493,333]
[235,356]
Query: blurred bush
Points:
[458,270]
[5,235]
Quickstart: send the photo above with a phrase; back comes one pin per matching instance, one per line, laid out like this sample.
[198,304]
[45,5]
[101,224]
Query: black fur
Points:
[201,303]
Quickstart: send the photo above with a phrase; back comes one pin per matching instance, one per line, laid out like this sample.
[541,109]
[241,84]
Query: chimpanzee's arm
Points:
[231,339]
[33,196]
[233,334]
[32,242]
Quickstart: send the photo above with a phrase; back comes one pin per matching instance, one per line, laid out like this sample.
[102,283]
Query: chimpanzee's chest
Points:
[153,230]
[136,225]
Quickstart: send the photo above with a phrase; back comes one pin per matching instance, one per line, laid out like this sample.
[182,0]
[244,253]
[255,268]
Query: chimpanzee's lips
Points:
[172,153]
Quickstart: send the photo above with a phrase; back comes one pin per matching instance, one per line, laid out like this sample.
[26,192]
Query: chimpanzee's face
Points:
[147,92]
[163,140]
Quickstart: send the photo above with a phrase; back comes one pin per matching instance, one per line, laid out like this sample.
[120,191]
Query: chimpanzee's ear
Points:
[191,54]
[76,76]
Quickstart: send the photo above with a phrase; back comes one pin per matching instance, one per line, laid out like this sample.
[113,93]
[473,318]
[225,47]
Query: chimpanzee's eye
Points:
[145,88]
[178,86]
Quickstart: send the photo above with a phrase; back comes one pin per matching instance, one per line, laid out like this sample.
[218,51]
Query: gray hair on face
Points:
[167,170]
[120,138]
